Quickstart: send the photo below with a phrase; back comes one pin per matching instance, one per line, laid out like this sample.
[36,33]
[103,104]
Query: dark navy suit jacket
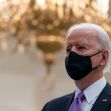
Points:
[103,102]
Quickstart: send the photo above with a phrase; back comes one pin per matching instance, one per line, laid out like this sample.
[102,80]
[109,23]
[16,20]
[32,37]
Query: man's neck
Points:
[87,81]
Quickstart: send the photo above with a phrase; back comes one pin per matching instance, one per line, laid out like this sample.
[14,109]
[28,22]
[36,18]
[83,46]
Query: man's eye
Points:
[81,48]
[68,50]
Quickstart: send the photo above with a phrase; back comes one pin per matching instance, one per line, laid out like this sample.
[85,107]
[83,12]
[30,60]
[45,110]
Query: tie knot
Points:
[81,96]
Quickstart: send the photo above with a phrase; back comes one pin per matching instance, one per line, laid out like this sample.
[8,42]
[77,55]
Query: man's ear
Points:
[105,56]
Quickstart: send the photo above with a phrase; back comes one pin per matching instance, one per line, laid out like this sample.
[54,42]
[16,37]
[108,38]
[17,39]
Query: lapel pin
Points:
[104,100]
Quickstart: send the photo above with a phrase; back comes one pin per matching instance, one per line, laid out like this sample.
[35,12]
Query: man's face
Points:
[84,42]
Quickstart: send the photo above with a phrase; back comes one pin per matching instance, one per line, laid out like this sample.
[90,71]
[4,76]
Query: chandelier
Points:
[43,23]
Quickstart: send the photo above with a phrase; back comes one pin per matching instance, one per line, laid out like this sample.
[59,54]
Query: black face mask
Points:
[78,66]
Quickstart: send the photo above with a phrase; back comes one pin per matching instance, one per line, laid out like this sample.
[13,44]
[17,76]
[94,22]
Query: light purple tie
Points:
[77,103]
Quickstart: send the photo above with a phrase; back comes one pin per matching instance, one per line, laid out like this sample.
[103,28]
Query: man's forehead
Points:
[83,37]
[82,34]
[82,31]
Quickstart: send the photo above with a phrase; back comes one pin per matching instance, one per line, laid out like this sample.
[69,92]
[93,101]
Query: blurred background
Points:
[32,48]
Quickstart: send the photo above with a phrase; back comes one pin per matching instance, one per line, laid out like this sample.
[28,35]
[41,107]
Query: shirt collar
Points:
[95,87]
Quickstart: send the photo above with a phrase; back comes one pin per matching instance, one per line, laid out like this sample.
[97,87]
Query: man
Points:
[88,56]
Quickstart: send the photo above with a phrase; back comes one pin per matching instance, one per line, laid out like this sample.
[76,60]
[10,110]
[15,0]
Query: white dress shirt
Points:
[91,93]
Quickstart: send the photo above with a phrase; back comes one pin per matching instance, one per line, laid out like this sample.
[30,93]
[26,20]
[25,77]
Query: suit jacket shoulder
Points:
[61,103]
[103,102]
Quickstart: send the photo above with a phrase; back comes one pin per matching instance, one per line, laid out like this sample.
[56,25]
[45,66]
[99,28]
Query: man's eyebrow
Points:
[81,43]
[68,47]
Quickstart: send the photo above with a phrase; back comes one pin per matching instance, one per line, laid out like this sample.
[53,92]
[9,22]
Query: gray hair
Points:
[103,36]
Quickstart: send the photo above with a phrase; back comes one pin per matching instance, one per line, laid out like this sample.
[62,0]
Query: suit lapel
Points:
[71,97]
[104,99]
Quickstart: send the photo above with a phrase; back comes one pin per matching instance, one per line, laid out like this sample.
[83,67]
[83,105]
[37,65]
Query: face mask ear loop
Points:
[95,67]
[96,53]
